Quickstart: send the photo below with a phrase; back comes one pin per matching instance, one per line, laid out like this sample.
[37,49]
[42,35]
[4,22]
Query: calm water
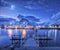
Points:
[5,36]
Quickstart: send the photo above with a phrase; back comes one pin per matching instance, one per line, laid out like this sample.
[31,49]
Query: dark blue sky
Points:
[38,8]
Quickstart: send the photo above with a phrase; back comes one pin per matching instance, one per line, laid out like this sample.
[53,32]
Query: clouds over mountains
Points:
[48,11]
[42,21]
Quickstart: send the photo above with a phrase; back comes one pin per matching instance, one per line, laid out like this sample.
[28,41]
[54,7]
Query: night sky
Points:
[42,9]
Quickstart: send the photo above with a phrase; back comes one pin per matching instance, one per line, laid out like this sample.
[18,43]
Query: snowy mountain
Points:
[6,21]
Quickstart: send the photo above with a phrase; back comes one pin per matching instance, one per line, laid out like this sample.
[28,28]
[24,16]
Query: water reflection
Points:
[10,32]
[23,33]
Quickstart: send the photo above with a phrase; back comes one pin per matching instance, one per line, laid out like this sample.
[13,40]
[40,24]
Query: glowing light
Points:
[9,32]
[50,26]
[5,26]
[12,7]
[23,33]
[38,27]
[55,26]
[16,27]
[29,27]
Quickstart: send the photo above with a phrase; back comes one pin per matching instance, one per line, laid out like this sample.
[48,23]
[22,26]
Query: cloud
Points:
[29,7]
[43,21]
[4,3]
[35,5]
[9,17]
[56,16]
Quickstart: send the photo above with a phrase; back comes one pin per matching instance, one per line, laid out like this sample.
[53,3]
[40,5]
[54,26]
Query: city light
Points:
[5,26]
[16,27]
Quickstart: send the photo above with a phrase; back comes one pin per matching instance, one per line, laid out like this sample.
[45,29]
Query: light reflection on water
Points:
[23,32]
[10,32]
[16,32]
